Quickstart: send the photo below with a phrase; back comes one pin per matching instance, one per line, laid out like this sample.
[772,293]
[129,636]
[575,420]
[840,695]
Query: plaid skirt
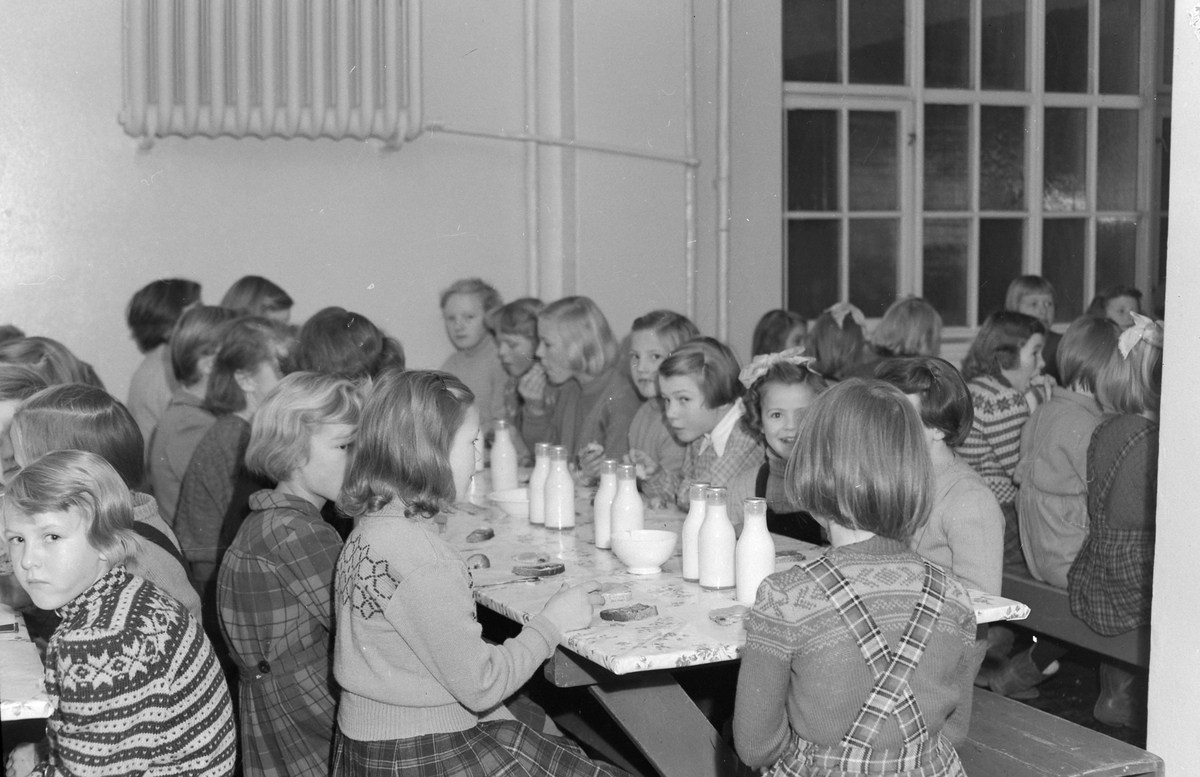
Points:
[500,748]
[931,759]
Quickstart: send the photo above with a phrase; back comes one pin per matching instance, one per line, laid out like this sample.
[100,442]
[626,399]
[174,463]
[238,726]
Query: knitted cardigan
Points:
[136,686]
[993,445]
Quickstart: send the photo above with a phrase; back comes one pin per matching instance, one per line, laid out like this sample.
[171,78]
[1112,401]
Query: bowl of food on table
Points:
[514,502]
[644,551]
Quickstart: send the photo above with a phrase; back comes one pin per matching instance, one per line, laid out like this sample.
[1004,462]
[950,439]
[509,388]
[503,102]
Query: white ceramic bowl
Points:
[514,502]
[644,551]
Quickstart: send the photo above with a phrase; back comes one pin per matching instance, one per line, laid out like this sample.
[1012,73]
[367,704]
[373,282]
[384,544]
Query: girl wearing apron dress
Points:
[859,662]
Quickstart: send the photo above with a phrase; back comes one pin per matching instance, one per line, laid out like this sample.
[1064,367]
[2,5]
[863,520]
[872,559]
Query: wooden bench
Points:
[1050,614]
[1015,740]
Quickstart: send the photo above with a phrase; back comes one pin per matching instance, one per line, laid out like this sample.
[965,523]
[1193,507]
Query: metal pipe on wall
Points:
[724,57]
[532,201]
[689,147]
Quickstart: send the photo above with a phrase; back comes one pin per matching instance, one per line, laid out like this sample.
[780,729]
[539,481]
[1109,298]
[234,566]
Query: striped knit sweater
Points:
[136,687]
[994,444]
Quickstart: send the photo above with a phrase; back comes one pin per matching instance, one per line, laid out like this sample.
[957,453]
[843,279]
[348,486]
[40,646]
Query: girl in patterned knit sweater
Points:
[136,686]
[422,692]
[822,690]
[699,384]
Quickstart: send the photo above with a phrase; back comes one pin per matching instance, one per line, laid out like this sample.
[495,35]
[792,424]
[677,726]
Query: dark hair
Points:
[1084,349]
[861,460]
[1099,304]
[837,349]
[673,329]
[248,342]
[402,448]
[253,295]
[711,364]
[52,360]
[338,342]
[997,345]
[518,317]
[154,309]
[197,334]
[944,397]
[783,373]
[772,330]
[86,418]
[10,332]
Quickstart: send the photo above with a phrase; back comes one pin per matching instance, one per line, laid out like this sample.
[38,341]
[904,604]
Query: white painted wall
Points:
[86,217]
[1175,649]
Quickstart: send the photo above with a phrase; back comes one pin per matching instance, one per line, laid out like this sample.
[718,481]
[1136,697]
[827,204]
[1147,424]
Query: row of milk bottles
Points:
[713,556]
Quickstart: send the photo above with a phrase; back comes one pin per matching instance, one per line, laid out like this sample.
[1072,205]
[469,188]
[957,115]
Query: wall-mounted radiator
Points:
[273,68]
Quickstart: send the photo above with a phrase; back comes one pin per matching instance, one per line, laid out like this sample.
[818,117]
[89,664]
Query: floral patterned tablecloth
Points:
[681,635]
[22,691]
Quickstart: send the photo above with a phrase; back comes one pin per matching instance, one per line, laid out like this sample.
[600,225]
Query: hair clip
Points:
[765,361]
[841,309]
[1144,328]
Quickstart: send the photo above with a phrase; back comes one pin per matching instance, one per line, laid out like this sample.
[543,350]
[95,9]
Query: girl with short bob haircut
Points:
[51,359]
[78,417]
[804,703]
[465,307]
[420,687]
[514,329]
[778,330]
[253,295]
[145,693]
[595,403]
[275,585]
[909,327]
[837,340]
[655,451]
[152,313]
[339,342]
[1033,295]
[1000,367]
[703,406]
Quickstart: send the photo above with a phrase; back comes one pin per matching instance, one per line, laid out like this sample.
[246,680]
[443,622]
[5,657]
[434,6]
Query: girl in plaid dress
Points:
[275,587]
[857,662]
[422,692]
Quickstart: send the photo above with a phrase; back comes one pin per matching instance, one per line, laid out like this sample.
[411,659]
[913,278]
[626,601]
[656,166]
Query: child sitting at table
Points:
[1052,471]
[1001,365]
[465,306]
[1033,295]
[254,295]
[336,341]
[275,587]
[779,389]
[514,327]
[422,692]
[837,340]
[652,447]
[859,661]
[136,685]
[703,407]
[778,330]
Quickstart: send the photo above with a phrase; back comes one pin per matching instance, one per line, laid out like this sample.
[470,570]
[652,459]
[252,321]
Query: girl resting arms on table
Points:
[422,692]
[821,691]
[136,685]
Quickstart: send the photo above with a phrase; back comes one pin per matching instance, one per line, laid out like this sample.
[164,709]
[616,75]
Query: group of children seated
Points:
[261,511]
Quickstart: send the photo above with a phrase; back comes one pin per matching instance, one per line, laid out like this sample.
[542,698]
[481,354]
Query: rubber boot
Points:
[1115,707]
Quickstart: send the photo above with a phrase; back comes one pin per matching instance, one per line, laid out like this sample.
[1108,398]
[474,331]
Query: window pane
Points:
[1164,147]
[1001,249]
[812,158]
[946,157]
[1120,36]
[1066,45]
[947,43]
[810,40]
[873,264]
[1002,158]
[874,172]
[1062,264]
[876,42]
[1116,175]
[945,273]
[1003,44]
[1116,252]
[812,265]
[1065,159]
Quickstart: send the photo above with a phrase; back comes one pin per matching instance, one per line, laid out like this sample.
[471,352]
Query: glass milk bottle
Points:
[717,542]
[628,511]
[691,531]
[504,459]
[537,483]
[755,555]
[560,492]
[602,507]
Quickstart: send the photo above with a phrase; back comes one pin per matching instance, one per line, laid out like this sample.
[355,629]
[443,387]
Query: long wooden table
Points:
[627,666]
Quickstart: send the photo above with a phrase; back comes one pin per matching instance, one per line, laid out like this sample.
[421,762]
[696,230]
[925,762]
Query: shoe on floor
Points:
[1019,675]
[1116,705]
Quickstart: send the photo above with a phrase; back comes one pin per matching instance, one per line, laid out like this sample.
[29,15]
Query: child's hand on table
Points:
[532,388]
[21,761]
[590,458]
[573,606]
